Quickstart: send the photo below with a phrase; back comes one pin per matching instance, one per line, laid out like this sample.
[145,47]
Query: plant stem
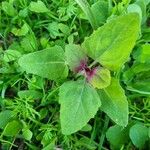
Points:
[102,138]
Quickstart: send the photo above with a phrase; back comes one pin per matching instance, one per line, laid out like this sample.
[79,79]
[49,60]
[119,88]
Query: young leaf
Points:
[114,103]
[75,57]
[139,135]
[38,7]
[112,43]
[79,103]
[101,78]
[48,63]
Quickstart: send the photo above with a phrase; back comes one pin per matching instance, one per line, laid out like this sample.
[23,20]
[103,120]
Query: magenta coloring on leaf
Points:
[82,66]
[90,73]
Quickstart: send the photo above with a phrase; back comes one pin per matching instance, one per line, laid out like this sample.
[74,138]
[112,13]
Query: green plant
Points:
[80,99]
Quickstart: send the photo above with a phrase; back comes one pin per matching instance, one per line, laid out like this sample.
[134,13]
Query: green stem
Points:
[102,138]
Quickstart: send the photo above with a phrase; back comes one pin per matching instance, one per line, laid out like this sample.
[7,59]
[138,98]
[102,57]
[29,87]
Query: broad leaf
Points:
[139,135]
[114,103]
[38,7]
[79,103]
[101,78]
[112,43]
[75,57]
[48,63]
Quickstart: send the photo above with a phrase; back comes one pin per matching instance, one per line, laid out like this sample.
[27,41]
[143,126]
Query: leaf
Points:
[139,135]
[53,29]
[117,136]
[100,11]
[12,128]
[111,44]
[86,128]
[38,7]
[27,134]
[22,31]
[8,8]
[75,57]
[79,103]
[11,55]
[48,63]
[136,9]
[33,94]
[29,43]
[143,55]
[114,103]
[5,117]
[101,78]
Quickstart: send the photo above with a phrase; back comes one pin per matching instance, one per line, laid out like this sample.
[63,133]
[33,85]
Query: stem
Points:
[102,138]
[93,63]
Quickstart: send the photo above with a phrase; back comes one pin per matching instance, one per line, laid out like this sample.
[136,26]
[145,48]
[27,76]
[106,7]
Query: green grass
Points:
[29,104]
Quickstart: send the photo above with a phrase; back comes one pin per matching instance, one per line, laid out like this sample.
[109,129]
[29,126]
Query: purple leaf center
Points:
[88,72]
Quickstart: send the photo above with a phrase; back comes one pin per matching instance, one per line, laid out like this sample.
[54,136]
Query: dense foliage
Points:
[74,75]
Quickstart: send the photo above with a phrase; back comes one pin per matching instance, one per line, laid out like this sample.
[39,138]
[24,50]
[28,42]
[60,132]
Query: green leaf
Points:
[144,54]
[117,136]
[100,11]
[33,94]
[5,117]
[48,63]
[79,103]
[29,43]
[111,44]
[86,128]
[38,7]
[139,135]
[12,128]
[27,134]
[114,103]
[136,9]
[11,55]
[74,56]
[101,78]
[8,8]
[22,31]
